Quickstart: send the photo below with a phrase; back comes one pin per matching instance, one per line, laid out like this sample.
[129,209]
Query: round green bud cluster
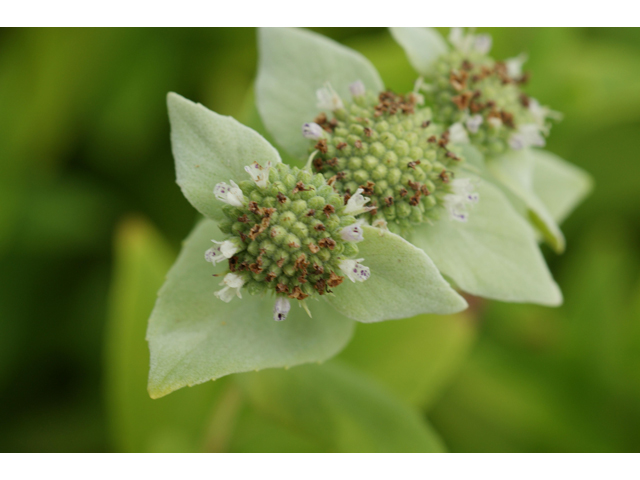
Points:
[288,234]
[391,149]
[485,97]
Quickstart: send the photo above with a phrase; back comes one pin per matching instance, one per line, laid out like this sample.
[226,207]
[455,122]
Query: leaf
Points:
[421,354]
[211,148]
[404,282]
[560,185]
[493,255]
[138,423]
[293,65]
[423,46]
[339,408]
[194,337]
[515,170]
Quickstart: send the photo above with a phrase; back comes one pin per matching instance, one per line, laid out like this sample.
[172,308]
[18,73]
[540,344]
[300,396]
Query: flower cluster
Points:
[482,98]
[387,146]
[289,233]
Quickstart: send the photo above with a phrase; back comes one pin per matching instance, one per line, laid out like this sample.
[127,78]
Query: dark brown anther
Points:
[280,262]
[452,156]
[328,210]
[329,243]
[321,119]
[270,277]
[243,218]
[298,294]
[458,80]
[425,191]
[467,65]
[476,107]
[332,180]
[444,176]
[415,200]
[313,248]
[432,139]
[243,266]
[243,237]
[462,100]
[332,162]
[300,188]
[302,279]
[255,231]
[341,175]
[415,186]
[301,264]
[368,188]
[266,213]
[293,245]
[524,100]
[253,207]
[318,269]
[320,286]
[320,227]
[358,144]
[255,267]
[347,196]
[321,145]
[413,164]
[233,263]
[341,145]
[507,119]
[426,124]
[368,131]
[282,288]
[310,213]
[388,201]
[373,211]
[335,280]
[281,197]
[403,192]
[318,163]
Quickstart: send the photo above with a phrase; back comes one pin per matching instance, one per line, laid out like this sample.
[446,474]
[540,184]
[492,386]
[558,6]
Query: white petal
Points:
[328,99]
[482,43]
[214,255]
[473,123]
[354,270]
[528,135]
[226,294]
[233,280]
[457,133]
[514,65]
[230,194]
[357,88]
[259,174]
[312,131]
[356,204]
[227,248]
[353,233]
[281,309]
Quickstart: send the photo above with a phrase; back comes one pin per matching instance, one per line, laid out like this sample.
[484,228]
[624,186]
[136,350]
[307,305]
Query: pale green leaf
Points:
[136,422]
[515,170]
[404,282]
[209,148]
[339,408]
[422,45]
[421,355]
[194,337]
[560,185]
[493,255]
[293,65]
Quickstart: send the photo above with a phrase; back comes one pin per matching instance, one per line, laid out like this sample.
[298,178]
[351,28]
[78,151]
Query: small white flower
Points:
[540,113]
[353,233]
[457,133]
[514,65]
[230,194]
[259,174]
[463,194]
[466,42]
[233,283]
[221,251]
[381,224]
[473,123]
[357,88]
[328,99]
[281,309]
[312,131]
[356,203]
[482,43]
[355,270]
[528,135]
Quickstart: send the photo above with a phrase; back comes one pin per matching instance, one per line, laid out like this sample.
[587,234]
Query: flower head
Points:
[229,194]
[258,173]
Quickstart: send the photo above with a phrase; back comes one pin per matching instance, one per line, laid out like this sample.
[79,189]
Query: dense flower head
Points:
[485,97]
[291,235]
[387,147]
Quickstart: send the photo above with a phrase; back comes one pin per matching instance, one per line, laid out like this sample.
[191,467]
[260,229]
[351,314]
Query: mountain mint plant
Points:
[484,101]
[273,236]
[424,181]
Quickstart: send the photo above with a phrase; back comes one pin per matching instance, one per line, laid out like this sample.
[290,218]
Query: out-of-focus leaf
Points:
[493,255]
[404,282]
[138,423]
[340,409]
[417,357]
[293,65]
[209,148]
[194,336]
[422,46]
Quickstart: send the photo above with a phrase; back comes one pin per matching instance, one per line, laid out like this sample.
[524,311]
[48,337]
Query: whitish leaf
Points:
[515,170]
[293,65]
[560,185]
[422,46]
[404,282]
[194,337]
[339,408]
[209,148]
[493,255]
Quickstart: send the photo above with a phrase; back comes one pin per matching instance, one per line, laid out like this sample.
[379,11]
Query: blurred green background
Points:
[91,219]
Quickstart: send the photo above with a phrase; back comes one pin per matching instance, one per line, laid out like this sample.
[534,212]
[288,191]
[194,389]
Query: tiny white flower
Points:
[466,42]
[355,270]
[473,123]
[259,174]
[356,203]
[357,89]
[353,233]
[221,251]
[540,113]
[328,99]
[233,283]
[281,309]
[457,38]
[463,194]
[528,135]
[312,131]
[514,65]
[381,224]
[482,43]
[457,133]
[230,194]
